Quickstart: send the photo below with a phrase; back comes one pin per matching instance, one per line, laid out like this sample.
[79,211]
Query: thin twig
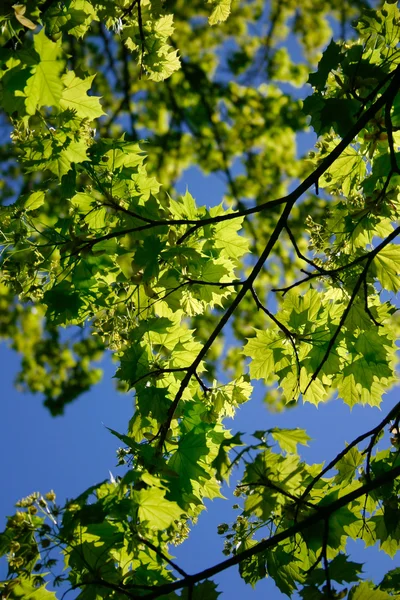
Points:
[299,254]
[366,307]
[283,328]
[163,556]
[325,562]
[372,432]
[270,484]
[389,129]
[142,36]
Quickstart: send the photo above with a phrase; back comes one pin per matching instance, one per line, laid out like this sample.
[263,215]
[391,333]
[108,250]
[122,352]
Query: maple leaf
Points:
[45,87]
[74,96]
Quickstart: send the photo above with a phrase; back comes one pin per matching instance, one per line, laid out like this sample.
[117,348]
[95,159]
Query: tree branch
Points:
[372,432]
[369,258]
[163,556]
[281,224]
[323,513]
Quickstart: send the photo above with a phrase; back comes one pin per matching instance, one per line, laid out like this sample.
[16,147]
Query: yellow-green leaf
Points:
[74,96]
[35,200]
[44,87]
[387,265]
[220,12]
[155,510]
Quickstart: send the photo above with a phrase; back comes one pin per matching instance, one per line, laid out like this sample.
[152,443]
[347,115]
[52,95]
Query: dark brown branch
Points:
[224,320]
[389,129]
[287,288]
[114,116]
[299,254]
[103,32]
[376,89]
[202,384]
[263,64]
[342,321]
[142,36]
[270,484]
[163,556]
[325,562]
[323,513]
[121,589]
[128,10]
[289,199]
[150,224]
[336,270]
[328,161]
[214,283]
[158,372]
[366,307]
[372,432]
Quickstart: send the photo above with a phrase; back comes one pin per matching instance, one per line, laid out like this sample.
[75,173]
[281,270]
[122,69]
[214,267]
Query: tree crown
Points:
[290,279]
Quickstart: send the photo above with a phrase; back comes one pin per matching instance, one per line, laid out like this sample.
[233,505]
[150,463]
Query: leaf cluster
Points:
[97,240]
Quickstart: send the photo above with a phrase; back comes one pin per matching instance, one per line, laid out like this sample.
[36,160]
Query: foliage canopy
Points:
[291,279]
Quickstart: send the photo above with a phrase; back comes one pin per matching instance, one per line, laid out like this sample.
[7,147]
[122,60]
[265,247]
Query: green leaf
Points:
[339,113]
[346,172]
[289,438]
[265,349]
[254,568]
[34,201]
[185,207]
[387,530]
[329,61]
[100,238]
[154,510]
[95,214]
[285,570]
[206,590]
[227,239]
[25,589]
[391,581]
[148,258]
[221,463]
[74,97]
[186,461]
[343,570]
[155,402]
[363,382]
[221,11]
[80,15]
[387,265]
[348,465]
[380,28]
[157,58]
[63,303]
[366,591]
[134,364]
[44,87]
